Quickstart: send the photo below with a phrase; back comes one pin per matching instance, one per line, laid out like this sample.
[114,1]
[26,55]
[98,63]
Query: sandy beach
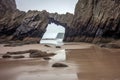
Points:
[85,62]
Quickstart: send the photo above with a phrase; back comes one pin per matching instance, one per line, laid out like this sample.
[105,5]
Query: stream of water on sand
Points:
[90,63]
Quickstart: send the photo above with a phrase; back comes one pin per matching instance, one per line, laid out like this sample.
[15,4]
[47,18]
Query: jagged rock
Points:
[59,65]
[95,20]
[63,19]
[18,25]
[7,6]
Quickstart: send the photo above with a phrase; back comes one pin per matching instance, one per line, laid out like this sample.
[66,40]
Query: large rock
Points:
[34,23]
[19,25]
[95,20]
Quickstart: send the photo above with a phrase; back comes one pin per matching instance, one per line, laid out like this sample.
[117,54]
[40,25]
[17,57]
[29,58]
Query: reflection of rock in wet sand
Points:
[84,61]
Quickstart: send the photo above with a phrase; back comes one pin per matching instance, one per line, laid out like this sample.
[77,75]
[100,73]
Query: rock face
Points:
[19,25]
[7,6]
[34,23]
[10,17]
[95,20]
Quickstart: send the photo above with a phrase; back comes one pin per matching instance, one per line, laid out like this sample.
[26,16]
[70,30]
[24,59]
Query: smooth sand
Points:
[85,61]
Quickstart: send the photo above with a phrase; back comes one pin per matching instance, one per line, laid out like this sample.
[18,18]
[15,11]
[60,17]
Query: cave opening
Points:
[54,34]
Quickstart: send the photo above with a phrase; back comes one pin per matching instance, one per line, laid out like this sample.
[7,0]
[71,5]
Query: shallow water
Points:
[90,63]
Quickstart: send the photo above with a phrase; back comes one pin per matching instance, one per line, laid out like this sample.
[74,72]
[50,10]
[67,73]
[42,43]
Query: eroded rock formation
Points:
[95,21]
[18,25]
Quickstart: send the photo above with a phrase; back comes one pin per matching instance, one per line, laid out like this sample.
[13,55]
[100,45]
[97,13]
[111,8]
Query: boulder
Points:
[59,65]
[38,53]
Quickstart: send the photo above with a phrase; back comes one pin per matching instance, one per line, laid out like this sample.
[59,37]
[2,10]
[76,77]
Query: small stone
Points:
[47,45]
[59,65]
[46,58]
[58,46]
[6,56]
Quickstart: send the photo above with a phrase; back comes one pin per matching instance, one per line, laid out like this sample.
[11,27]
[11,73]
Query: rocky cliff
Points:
[18,25]
[95,21]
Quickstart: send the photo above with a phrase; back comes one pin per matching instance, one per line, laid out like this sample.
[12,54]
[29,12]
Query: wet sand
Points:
[85,61]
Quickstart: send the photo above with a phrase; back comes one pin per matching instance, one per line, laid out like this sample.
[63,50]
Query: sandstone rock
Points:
[59,65]
[95,20]
[7,6]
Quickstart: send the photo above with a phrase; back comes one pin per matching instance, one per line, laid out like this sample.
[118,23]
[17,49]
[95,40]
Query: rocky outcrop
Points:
[34,23]
[95,20]
[10,18]
[61,19]
[18,25]
[7,6]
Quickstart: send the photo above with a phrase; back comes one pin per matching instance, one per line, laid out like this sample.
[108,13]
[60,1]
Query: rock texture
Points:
[6,6]
[18,25]
[95,20]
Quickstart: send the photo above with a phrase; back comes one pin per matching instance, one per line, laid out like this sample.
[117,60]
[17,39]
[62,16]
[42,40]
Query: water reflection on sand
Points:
[90,63]
[60,56]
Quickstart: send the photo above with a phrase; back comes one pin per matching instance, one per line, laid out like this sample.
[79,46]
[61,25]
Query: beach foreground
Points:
[85,62]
